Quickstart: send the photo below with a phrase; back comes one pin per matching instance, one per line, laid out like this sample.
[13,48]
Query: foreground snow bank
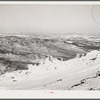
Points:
[52,73]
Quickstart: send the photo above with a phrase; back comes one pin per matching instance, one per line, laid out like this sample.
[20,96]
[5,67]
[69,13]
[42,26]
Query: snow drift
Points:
[55,74]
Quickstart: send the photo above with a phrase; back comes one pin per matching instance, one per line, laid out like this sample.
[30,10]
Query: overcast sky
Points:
[49,18]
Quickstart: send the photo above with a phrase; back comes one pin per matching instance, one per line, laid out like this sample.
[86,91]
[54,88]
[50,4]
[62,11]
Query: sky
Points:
[49,18]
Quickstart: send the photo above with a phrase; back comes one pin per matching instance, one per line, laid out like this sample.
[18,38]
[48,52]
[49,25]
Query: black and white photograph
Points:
[50,47]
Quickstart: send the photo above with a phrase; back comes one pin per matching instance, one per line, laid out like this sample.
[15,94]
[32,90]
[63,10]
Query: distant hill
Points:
[29,50]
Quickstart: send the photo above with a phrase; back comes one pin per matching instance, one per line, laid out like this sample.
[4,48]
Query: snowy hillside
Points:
[81,72]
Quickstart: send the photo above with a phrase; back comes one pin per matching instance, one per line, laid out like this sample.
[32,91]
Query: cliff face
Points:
[19,51]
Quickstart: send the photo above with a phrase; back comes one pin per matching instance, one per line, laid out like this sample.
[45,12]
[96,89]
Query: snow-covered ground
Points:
[53,74]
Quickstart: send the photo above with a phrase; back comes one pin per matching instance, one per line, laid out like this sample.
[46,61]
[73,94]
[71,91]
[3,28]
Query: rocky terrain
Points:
[17,52]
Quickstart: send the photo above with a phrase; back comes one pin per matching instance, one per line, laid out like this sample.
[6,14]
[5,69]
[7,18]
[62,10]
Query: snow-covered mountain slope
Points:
[55,74]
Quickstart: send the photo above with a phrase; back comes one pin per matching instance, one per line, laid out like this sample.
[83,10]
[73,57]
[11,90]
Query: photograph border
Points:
[49,94]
